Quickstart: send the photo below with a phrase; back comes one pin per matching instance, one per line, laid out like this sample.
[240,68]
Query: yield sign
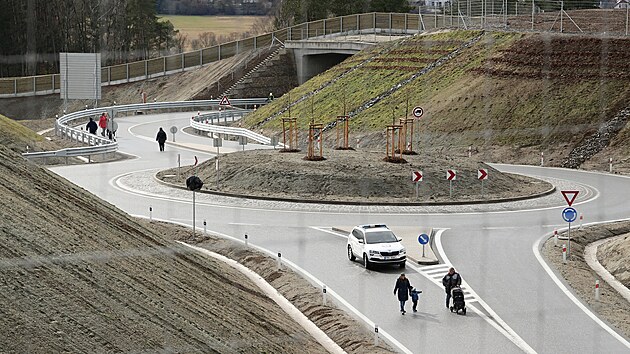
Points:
[451,175]
[570,196]
[416,176]
[224,101]
[482,174]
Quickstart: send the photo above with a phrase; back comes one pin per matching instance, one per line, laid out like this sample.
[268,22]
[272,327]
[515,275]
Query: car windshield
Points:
[380,237]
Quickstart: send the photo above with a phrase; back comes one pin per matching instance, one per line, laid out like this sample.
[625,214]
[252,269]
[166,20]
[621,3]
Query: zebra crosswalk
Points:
[435,273]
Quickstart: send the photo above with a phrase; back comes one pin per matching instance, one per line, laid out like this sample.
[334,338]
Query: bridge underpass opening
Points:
[312,65]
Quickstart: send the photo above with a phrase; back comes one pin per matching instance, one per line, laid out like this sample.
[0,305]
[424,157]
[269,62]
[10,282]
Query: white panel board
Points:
[80,75]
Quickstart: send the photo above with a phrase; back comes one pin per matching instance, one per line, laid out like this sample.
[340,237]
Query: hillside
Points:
[509,95]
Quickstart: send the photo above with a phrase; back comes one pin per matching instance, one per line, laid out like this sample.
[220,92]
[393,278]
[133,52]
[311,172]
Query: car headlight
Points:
[403,251]
[374,253]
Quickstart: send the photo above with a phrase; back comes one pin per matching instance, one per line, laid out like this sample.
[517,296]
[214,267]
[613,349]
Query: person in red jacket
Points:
[102,122]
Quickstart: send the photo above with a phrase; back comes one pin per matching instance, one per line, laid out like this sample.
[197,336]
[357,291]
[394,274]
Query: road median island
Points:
[612,306]
[354,178]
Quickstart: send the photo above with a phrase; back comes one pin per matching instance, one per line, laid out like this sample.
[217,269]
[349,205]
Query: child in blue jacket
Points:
[414,298]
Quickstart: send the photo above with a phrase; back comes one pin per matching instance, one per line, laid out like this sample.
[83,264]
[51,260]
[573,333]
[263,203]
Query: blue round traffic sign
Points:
[423,239]
[569,214]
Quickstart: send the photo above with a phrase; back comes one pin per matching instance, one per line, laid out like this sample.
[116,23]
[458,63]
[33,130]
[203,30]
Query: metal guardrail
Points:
[208,123]
[101,145]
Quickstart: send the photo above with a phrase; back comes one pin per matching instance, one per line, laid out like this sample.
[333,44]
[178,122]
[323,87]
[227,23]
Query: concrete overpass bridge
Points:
[316,55]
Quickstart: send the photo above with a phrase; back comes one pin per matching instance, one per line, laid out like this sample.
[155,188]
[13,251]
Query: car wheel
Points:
[350,254]
[402,264]
[366,263]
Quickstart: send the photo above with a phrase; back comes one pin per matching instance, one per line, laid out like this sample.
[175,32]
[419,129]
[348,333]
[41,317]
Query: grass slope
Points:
[508,89]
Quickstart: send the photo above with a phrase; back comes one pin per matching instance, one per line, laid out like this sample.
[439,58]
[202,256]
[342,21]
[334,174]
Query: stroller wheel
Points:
[451,308]
[464,311]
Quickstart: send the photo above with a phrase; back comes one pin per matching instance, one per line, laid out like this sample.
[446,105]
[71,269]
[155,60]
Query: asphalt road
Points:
[515,305]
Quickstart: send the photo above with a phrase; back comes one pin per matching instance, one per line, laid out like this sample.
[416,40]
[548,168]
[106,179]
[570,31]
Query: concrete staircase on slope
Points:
[259,77]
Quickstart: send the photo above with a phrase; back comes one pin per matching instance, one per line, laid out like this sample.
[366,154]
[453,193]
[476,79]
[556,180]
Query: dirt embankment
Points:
[79,275]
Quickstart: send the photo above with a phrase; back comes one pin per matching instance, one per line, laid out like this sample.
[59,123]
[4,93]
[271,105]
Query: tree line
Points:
[34,32]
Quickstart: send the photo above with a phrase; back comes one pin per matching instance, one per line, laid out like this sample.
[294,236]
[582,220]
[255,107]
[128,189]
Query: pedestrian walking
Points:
[414,298]
[161,138]
[403,288]
[451,280]
[91,126]
[102,122]
[112,127]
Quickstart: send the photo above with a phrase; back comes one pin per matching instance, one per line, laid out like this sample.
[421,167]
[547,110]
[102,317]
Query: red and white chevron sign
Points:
[482,174]
[451,175]
[416,176]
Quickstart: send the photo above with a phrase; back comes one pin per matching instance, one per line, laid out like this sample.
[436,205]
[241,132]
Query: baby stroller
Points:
[458,300]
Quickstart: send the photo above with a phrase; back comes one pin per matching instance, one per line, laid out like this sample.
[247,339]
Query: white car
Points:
[375,244]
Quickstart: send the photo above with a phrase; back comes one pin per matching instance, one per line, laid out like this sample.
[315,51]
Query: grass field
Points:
[192,26]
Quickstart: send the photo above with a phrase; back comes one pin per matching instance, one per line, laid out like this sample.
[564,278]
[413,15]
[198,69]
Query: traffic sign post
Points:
[451,175]
[423,239]
[173,130]
[416,177]
[418,111]
[569,215]
[482,174]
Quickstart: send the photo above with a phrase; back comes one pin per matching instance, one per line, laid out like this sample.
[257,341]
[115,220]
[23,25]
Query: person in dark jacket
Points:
[161,138]
[404,289]
[451,280]
[92,127]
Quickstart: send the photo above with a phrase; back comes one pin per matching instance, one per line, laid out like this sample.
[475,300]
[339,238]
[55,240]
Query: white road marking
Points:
[242,224]
[507,331]
[536,248]
[328,230]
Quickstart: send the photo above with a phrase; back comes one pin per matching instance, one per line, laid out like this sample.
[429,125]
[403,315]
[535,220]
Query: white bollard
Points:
[555,237]
[542,158]
[150,213]
[469,151]
[596,290]
[581,218]
[358,143]
[564,253]
[279,260]
[324,294]
[610,165]
[204,227]
[246,242]
[375,334]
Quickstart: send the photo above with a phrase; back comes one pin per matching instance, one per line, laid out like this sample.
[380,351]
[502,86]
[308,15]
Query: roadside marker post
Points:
[205,232]
[246,242]
[610,165]
[324,294]
[564,253]
[542,159]
[279,261]
[596,289]
[581,218]
[469,151]
[555,237]
[150,213]
[375,334]
[179,165]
